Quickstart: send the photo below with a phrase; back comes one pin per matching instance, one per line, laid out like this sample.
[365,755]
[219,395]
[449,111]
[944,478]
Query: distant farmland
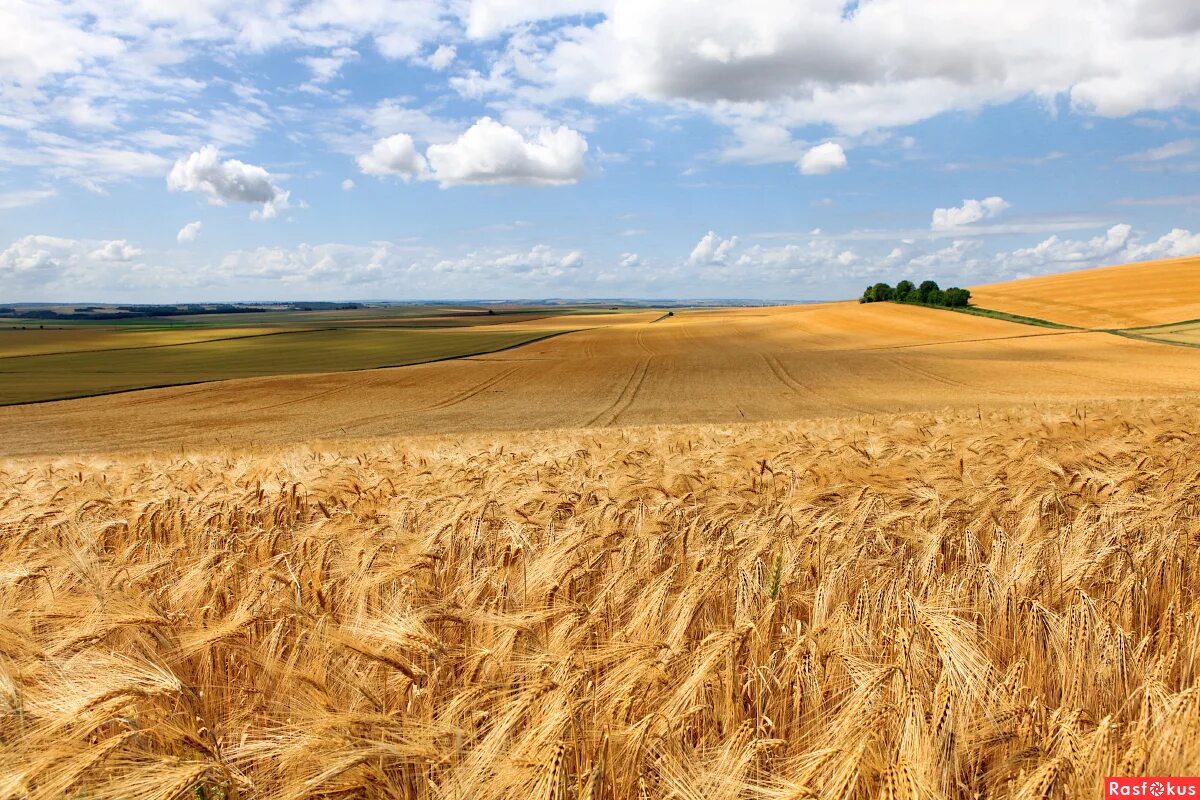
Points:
[60,359]
[614,370]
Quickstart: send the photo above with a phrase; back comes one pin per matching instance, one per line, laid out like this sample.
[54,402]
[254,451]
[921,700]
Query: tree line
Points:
[927,294]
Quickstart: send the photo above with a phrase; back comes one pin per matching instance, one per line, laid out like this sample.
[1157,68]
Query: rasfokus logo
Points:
[1151,787]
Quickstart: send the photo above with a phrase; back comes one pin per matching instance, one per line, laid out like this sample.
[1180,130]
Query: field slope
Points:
[1125,296]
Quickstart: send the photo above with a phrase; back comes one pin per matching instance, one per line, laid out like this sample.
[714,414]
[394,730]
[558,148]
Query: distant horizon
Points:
[543,301]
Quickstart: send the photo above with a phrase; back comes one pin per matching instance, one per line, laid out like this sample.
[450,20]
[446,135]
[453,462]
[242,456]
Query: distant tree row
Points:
[927,294]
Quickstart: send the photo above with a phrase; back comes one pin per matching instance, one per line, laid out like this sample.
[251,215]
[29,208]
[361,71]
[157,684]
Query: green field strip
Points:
[44,378]
[1137,333]
[160,346]
[1003,315]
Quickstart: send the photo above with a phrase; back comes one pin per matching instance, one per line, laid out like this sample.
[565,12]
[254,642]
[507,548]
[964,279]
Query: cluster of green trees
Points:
[927,294]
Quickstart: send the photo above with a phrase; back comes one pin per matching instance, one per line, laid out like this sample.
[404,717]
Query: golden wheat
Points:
[999,604]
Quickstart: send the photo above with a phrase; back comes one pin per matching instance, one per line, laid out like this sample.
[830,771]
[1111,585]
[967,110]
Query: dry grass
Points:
[1001,605]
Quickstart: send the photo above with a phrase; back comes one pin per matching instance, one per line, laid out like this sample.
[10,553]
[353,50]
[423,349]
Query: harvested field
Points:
[728,365]
[999,604]
[1126,296]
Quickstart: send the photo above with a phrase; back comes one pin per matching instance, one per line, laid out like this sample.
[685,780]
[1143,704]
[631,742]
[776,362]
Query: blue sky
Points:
[492,149]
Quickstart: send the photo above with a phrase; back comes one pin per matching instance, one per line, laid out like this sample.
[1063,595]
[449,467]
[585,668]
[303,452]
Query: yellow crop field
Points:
[998,604]
[834,551]
[1126,296]
[728,365]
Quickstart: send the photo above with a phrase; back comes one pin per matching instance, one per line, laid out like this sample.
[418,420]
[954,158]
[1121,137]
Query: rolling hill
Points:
[1148,293]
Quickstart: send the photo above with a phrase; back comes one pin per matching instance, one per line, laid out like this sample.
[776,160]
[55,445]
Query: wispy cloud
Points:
[25,197]
[1180,147]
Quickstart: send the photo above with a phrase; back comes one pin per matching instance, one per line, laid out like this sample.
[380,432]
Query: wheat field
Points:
[719,366]
[1121,296]
[959,605]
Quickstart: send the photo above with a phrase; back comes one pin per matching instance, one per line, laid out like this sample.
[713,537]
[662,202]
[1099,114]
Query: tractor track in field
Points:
[626,397]
[908,366]
[641,342]
[467,394]
[308,397]
[799,388]
[455,399]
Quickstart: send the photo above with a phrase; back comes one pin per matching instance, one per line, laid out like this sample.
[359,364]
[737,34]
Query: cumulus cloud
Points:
[382,264]
[188,232]
[441,58]
[712,249]
[822,159]
[887,63]
[394,155]
[347,185]
[970,211]
[488,152]
[115,250]
[541,261]
[967,260]
[629,260]
[225,181]
[53,267]
[35,260]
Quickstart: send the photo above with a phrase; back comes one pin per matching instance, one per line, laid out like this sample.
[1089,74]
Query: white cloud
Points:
[822,159]
[487,18]
[441,58]
[347,185]
[87,163]
[966,260]
[540,261]
[489,153]
[224,181]
[41,41]
[26,197]
[115,250]
[886,63]
[1175,244]
[1164,152]
[970,211]
[55,268]
[382,264]
[34,261]
[486,153]
[188,232]
[712,249]
[394,155]
[326,68]
[629,260]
